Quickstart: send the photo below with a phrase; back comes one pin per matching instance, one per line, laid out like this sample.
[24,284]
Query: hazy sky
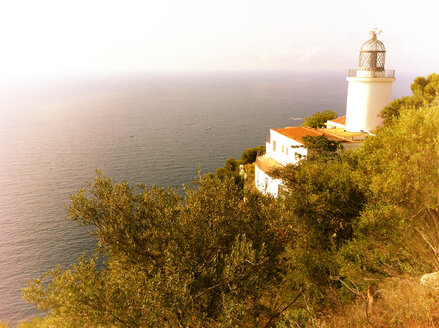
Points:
[43,38]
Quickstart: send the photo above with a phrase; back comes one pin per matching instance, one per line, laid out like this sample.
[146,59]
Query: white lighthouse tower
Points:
[369,88]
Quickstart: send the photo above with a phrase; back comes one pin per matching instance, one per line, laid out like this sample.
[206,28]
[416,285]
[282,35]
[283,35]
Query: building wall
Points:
[350,146]
[366,98]
[265,183]
[283,152]
[333,125]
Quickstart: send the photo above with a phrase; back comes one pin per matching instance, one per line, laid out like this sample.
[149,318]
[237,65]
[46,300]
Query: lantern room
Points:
[372,54]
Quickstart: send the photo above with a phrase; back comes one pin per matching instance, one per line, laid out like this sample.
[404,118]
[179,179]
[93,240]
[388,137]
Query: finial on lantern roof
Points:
[375,32]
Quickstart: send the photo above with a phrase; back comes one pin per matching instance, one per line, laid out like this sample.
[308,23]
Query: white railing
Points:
[390,73]
[352,72]
[387,73]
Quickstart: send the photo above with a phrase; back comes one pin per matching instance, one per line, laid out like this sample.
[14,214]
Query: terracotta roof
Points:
[340,120]
[267,163]
[298,132]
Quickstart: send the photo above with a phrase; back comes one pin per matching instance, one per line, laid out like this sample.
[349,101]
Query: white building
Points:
[286,146]
[369,90]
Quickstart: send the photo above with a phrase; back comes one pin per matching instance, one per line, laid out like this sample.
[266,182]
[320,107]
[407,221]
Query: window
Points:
[274,145]
[287,150]
[282,148]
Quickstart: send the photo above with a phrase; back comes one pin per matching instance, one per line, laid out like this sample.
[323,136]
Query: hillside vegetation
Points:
[343,246]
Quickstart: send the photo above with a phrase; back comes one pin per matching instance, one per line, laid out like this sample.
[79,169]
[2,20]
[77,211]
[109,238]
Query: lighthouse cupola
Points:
[372,54]
[369,88]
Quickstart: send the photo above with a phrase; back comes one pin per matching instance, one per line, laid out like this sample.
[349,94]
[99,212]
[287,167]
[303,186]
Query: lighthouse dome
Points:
[372,55]
[373,45]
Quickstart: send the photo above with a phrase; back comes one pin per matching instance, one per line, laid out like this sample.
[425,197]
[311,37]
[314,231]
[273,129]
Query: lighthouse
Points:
[369,87]
[369,90]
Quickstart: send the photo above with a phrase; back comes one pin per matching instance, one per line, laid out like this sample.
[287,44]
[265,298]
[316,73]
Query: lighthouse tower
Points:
[369,88]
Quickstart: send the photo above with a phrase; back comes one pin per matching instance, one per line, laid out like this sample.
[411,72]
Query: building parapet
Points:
[267,164]
[388,73]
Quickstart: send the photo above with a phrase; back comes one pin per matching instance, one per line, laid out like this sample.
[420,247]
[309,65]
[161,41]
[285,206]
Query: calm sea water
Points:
[154,128]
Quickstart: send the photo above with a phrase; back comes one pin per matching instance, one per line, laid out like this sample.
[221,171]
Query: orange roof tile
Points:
[298,132]
[340,120]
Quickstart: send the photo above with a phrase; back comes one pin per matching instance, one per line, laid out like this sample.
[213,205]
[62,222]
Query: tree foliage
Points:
[208,259]
[323,203]
[425,93]
[249,155]
[318,119]
[225,256]
[400,168]
[321,146]
[231,168]
[362,217]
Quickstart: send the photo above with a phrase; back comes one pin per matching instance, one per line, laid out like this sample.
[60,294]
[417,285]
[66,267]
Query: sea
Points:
[153,128]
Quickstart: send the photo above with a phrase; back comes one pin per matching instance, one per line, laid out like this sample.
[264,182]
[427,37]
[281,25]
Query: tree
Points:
[320,146]
[324,196]
[428,89]
[249,155]
[321,204]
[210,259]
[361,217]
[425,93]
[318,119]
[397,232]
[400,167]
[231,167]
[229,171]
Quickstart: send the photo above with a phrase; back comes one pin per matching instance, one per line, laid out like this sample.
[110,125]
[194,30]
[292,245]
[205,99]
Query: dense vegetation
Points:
[224,255]
[241,171]
[318,119]
[425,93]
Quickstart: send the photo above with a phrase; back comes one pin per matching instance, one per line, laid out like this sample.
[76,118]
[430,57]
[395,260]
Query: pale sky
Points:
[45,38]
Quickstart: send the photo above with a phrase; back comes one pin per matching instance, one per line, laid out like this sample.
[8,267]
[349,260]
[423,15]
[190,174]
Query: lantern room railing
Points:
[387,73]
